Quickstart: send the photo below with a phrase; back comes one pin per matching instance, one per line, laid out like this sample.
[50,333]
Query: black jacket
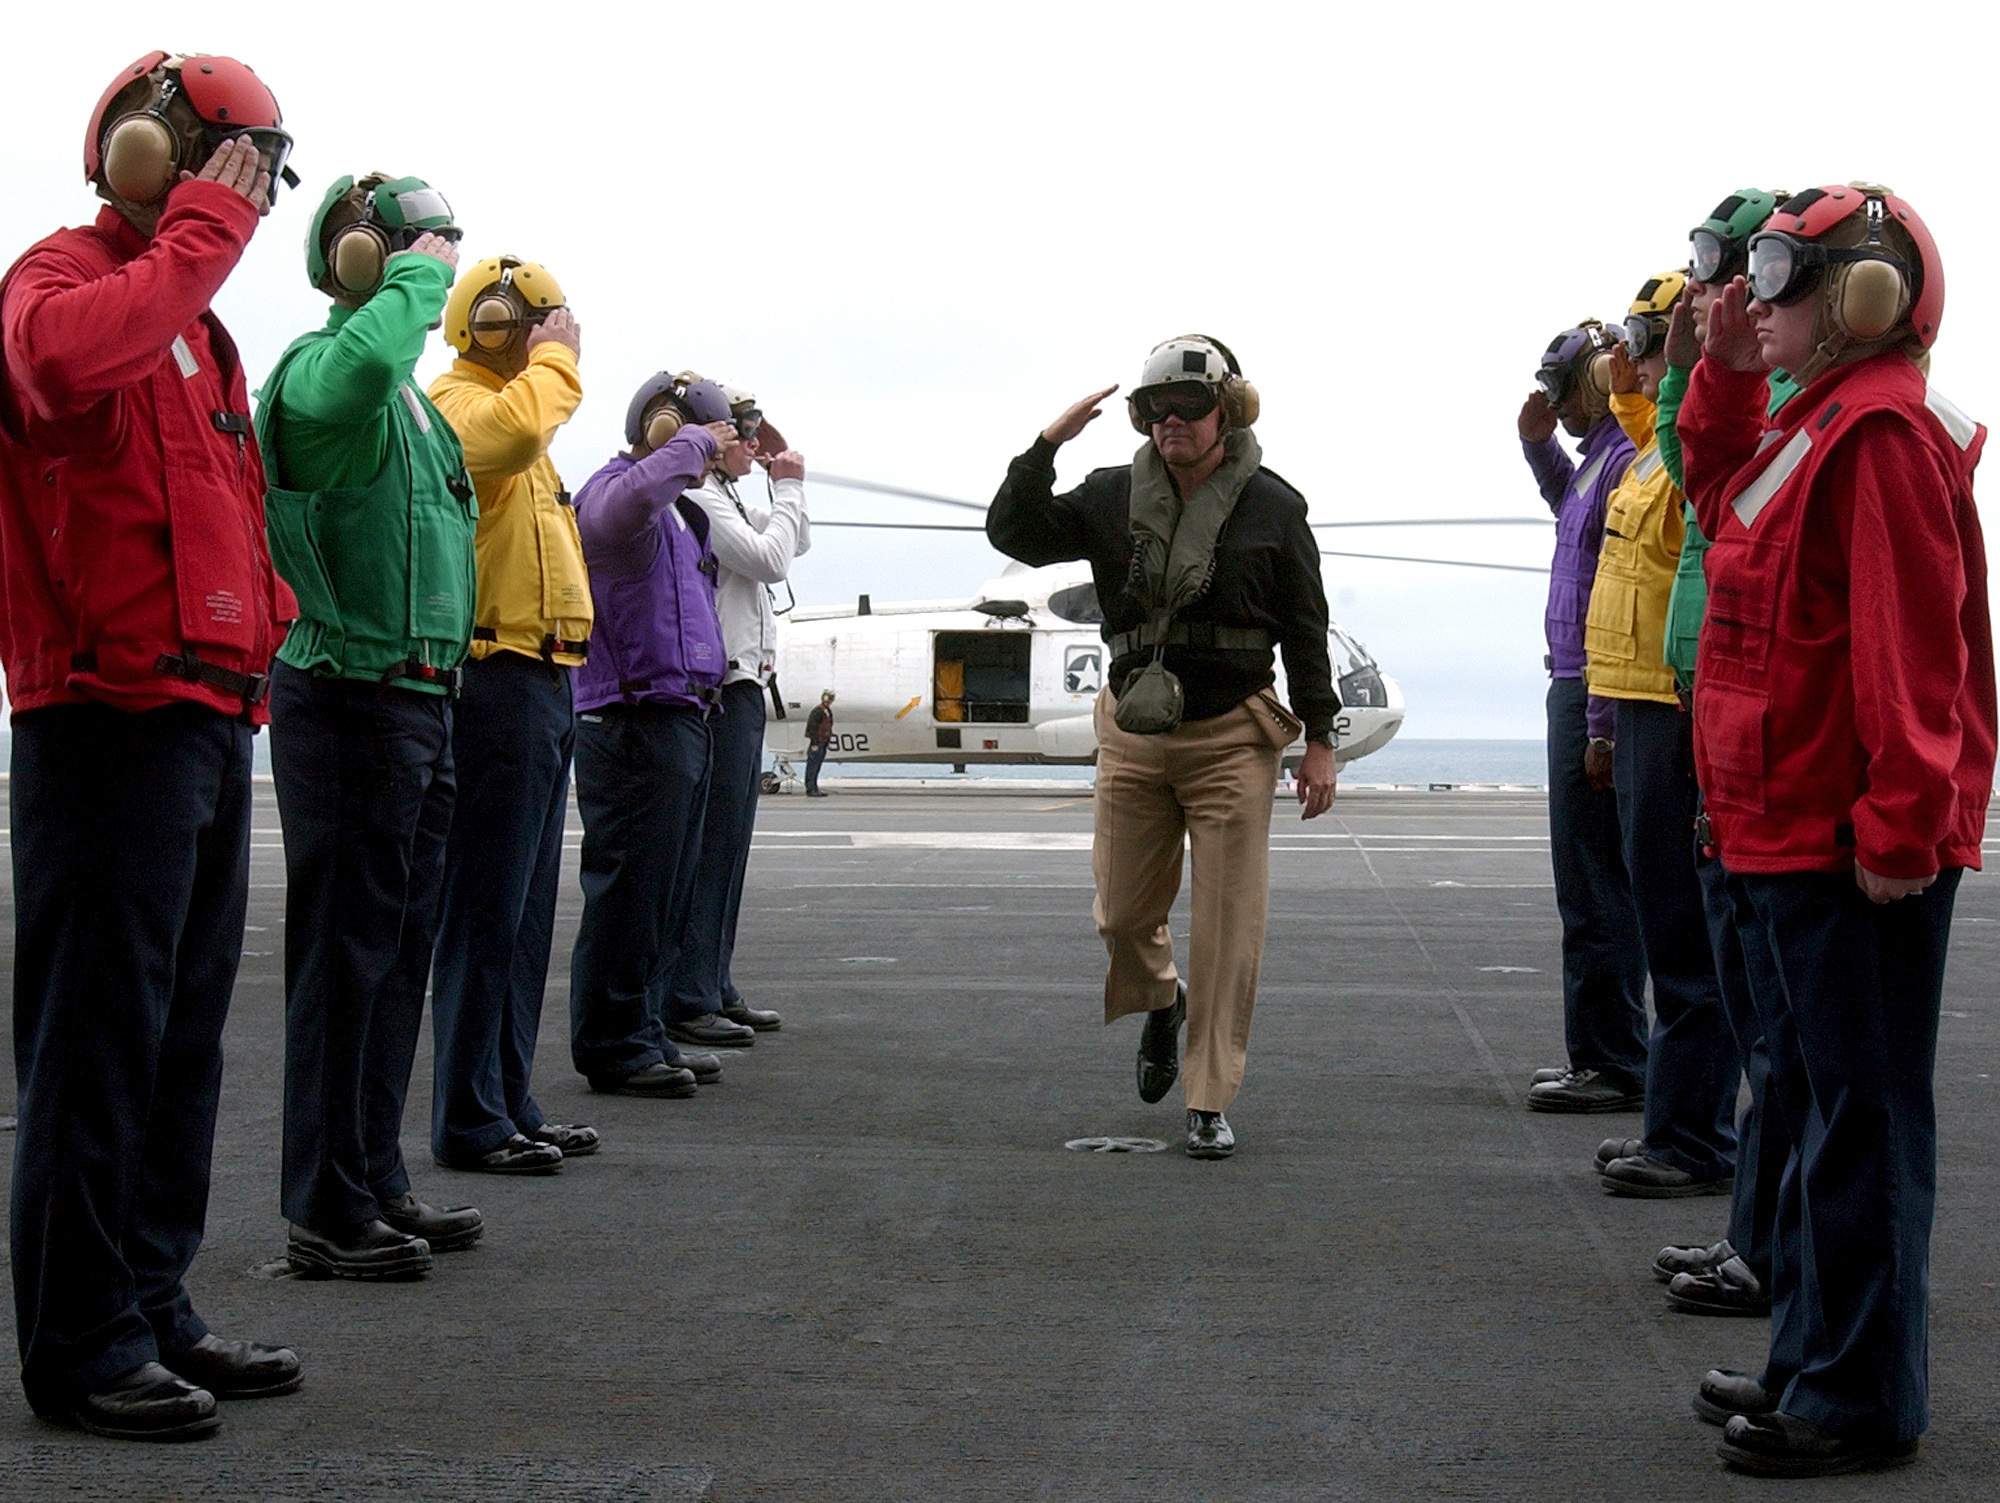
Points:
[1266,575]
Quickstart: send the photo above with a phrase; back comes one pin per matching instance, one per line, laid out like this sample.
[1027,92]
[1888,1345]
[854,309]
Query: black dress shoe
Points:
[1724,1394]
[1585,1091]
[711,1030]
[149,1403]
[575,1142]
[1779,1445]
[761,1019]
[518,1155]
[1648,1178]
[660,1079]
[446,1231]
[1729,1288]
[238,1369]
[705,1068]
[1159,1047]
[373,1250]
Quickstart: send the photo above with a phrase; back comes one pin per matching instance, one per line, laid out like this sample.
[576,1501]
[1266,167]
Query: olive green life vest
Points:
[384,572]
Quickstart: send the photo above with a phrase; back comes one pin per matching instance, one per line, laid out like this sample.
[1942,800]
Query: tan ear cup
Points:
[1598,374]
[357,257]
[1872,299]
[662,425]
[140,158]
[1240,402]
[493,322]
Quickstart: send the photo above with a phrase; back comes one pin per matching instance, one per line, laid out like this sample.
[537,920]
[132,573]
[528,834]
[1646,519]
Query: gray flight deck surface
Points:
[864,1266]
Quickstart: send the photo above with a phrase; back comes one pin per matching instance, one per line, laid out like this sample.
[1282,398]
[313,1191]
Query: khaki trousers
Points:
[1210,783]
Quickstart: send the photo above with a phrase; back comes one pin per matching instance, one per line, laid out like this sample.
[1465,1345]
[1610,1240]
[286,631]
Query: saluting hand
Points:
[1624,373]
[1683,349]
[239,166]
[435,246]
[560,327]
[1537,422]
[1079,416]
[1732,338]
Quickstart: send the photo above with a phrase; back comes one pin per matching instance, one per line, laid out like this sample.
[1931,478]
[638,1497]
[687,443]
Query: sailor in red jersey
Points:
[140,615]
[1844,739]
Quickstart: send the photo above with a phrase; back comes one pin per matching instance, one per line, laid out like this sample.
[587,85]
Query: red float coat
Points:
[131,489]
[1844,693]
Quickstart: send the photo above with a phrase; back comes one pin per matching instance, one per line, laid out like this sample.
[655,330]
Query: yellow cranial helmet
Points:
[1646,320]
[497,302]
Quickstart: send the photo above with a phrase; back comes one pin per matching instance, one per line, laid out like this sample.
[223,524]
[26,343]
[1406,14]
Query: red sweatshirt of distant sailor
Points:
[1844,693]
[131,489]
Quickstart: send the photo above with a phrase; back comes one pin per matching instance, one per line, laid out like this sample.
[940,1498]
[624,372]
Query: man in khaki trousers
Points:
[1203,563]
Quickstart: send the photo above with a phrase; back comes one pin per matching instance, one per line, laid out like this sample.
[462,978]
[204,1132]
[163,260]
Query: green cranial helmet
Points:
[1719,245]
[360,225]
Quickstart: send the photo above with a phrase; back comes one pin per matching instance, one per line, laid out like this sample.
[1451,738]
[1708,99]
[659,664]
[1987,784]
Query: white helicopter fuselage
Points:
[1008,677]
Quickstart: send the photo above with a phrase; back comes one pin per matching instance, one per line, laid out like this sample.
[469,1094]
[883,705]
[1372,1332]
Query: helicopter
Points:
[1009,676]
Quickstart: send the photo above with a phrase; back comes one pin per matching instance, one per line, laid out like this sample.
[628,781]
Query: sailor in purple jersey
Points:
[643,703]
[1604,1009]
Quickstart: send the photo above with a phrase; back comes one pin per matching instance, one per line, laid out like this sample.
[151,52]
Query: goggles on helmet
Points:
[1555,382]
[273,143]
[1784,268]
[1190,401]
[1643,334]
[747,424]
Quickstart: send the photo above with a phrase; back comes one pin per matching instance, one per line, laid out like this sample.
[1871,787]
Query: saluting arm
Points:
[506,431]
[351,377]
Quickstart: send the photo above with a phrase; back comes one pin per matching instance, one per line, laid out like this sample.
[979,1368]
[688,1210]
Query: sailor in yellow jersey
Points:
[512,388]
[1689,1146]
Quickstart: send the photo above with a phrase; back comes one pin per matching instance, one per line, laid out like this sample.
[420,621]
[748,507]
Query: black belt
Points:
[448,679]
[1193,634]
[252,688]
[551,644]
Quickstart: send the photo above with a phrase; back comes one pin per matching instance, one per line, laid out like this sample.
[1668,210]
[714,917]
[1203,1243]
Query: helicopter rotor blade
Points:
[847,483]
[1455,563]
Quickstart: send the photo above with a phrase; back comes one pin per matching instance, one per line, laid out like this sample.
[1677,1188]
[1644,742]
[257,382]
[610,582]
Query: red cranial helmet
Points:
[164,114]
[1866,248]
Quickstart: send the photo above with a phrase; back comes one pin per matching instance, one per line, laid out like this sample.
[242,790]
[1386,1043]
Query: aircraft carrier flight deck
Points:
[865,1265]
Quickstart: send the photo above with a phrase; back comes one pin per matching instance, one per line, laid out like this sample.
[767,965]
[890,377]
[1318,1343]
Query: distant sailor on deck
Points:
[1203,562]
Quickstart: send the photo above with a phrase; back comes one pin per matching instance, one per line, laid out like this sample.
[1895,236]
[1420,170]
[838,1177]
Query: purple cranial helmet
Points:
[673,400]
[1581,355]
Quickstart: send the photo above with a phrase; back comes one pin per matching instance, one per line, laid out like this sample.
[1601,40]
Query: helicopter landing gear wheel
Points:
[770,782]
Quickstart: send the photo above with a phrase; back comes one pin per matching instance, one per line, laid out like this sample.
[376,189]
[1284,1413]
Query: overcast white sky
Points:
[919,231]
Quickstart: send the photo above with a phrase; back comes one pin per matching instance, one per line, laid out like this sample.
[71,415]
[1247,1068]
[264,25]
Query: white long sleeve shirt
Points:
[755,546]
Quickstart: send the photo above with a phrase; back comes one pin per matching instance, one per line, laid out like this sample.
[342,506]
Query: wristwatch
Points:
[1325,739]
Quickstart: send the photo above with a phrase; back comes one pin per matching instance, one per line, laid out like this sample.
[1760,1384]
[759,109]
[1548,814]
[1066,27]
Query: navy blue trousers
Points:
[701,981]
[1692,1072]
[512,736]
[642,789]
[1604,969]
[1849,992]
[815,757]
[131,856]
[1763,1142]
[365,789]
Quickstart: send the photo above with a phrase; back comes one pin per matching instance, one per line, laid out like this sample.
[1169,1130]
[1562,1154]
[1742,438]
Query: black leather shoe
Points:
[518,1155]
[446,1231]
[705,1068]
[1649,1178]
[238,1369]
[1724,1394]
[660,1079]
[149,1403]
[711,1030]
[1678,1258]
[1779,1445]
[575,1142]
[373,1250]
[1159,1048]
[1585,1091]
[1209,1136]
[1729,1288]
[760,1019]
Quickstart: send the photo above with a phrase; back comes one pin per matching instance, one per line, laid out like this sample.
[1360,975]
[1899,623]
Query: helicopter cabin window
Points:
[1078,603]
[982,676]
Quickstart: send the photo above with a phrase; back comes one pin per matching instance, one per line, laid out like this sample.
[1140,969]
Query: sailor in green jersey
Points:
[371,517]
[1718,252]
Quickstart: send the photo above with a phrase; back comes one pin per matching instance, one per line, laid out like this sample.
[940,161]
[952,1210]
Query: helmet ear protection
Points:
[1869,298]
[140,152]
[496,302]
[667,402]
[391,214]
[663,422]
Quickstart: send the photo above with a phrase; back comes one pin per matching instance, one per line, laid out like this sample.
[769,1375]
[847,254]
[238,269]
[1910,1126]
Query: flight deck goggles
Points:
[747,423]
[408,208]
[273,143]
[1643,334]
[1190,401]
[1556,382]
[1784,268]
[1713,258]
